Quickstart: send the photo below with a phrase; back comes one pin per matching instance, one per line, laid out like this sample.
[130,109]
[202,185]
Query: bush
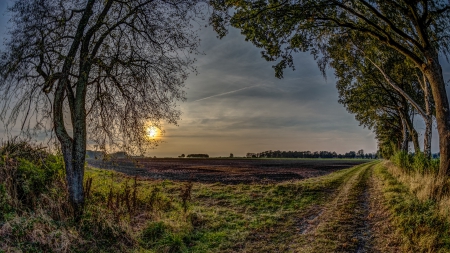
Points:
[5,208]
[402,160]
[27,171]
[416,163]
[152,233]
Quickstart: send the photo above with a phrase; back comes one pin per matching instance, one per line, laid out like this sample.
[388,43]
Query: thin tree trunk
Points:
[405,135]
[428,122]
[434,75]
[414,138]
[427,137]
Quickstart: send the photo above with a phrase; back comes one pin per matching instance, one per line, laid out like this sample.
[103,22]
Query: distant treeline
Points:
[309,154]
[198,155]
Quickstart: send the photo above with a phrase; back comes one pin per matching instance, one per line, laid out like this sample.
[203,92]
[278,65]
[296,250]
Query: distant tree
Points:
[231,155]
[360,153]
[198,155]
[101,70]
[252,155]
[182,156]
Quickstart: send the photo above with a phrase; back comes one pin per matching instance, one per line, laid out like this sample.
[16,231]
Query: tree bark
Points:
[405,134]
[73,149]
[433,72]
[428,122]
[69,146]
[414,137]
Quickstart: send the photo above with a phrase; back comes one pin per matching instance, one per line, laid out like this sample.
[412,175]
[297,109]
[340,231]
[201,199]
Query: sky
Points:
[235,104]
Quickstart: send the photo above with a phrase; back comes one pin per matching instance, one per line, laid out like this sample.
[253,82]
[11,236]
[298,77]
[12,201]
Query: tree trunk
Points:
[74,163]
[427,136]
[434,75]
[414,138]
[74,178]
[428,121]
[405,134]
[72,149]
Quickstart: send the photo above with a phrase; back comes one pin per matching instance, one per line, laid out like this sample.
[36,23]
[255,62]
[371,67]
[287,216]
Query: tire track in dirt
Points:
[342,224]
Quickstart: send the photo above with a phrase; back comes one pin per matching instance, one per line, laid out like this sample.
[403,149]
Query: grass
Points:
[219,217]
[125,214]
[418,221]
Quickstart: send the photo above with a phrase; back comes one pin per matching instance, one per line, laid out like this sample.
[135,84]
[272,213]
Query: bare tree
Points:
[99,70]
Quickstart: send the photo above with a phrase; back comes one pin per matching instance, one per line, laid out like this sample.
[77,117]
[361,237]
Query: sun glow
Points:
[152,132]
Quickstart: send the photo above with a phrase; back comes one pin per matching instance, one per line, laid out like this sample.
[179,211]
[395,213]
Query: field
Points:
[221,205]
[225,170]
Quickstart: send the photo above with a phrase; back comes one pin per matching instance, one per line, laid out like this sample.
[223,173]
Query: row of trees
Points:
[309,154]
[386,56]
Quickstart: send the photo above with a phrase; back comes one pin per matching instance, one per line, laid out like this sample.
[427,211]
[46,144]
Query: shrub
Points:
[420,163]
[152,233]
[402,160]
[5,207]
[415,163]
[27,171]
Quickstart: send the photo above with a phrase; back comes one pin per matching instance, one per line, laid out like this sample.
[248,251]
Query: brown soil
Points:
[229,171]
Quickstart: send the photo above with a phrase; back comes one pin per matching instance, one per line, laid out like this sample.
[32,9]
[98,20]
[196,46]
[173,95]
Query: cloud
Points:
[225,93]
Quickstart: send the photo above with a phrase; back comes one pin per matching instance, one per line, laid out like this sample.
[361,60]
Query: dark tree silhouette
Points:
[99,70]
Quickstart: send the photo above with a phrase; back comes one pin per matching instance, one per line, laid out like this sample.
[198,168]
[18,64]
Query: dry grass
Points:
[423,186]
[419,222]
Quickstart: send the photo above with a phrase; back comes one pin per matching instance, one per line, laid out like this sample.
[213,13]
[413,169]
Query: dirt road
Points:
[353,220]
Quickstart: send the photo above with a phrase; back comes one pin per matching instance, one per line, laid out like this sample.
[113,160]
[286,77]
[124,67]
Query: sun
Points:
[152,132]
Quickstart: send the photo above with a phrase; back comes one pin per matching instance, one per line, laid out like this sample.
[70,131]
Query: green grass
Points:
[148,215]
[229,217]
[123,214]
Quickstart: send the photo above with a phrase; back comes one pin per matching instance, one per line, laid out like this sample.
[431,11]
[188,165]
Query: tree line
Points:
[386,56]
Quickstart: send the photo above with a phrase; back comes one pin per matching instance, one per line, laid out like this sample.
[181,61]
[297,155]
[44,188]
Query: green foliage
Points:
[415,162]
[26,172]
[402,159]
[152,233]
[5,207]
[33,179]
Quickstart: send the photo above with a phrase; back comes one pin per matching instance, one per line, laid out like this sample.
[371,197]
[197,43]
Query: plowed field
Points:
[229,171]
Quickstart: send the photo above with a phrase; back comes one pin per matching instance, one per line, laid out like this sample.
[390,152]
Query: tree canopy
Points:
[417,30]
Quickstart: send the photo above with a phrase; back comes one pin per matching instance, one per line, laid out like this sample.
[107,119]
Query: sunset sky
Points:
[236,105]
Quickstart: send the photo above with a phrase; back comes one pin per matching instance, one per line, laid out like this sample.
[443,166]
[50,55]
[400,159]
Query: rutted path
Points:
[346,222]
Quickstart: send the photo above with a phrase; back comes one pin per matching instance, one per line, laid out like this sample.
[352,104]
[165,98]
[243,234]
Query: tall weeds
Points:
[415,163]
[419,174]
